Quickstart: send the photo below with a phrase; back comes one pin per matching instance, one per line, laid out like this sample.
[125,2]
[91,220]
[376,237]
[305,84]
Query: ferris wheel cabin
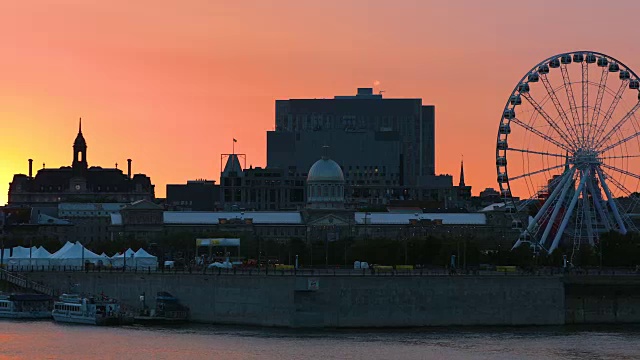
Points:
[515,100]
[614,67]
[505,129]
[502,145]
[625,75]
[543,69]
[602,61]
[554,63]
[565,59]
[634,84]
[591,58]
[578,58]
[509,114]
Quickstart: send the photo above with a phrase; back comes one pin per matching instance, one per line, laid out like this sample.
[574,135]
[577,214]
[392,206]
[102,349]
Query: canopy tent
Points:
[135,259]
[41,253]
[34,256]
[74,255]
[20,252]
[120,260]
[145,260]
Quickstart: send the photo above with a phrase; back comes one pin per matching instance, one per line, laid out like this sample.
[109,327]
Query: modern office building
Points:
[377,141]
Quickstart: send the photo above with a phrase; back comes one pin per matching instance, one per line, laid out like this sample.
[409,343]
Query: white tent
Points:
[119,260]
[74,255]
[106,260]
[41,253]
[145,260]
[36,256]
[20,252]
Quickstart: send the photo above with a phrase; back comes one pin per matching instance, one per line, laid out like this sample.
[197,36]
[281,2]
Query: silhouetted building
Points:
[195,195]
[79,182]
[259,188]
[463,191]
[376,141]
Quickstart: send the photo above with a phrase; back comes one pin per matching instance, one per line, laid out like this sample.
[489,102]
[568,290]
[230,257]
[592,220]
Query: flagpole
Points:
[233,146]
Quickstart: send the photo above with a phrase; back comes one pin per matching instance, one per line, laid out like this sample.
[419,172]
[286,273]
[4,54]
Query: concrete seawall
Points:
[338,301]
[598,300]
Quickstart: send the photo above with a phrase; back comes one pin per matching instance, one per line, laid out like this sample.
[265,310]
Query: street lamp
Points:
[366,222]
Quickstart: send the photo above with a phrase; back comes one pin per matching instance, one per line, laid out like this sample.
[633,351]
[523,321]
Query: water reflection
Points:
[46,340]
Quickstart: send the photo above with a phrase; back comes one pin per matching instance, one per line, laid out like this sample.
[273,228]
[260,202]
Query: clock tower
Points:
[78,182]
[79,154]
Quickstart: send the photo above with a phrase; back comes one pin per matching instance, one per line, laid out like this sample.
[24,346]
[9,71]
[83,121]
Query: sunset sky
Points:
[170,83]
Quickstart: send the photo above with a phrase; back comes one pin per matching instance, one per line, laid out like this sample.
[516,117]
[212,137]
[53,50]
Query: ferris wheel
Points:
[568,145]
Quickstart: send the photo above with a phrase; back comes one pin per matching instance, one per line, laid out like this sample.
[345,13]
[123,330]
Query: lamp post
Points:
[366,224]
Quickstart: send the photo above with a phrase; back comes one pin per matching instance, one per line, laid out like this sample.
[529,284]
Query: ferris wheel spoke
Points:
[540,134]
[601,88]
[556,103]
[619,157]
[618,125]
[585,100]
[537,152]
[536,172]
[547,118]
[621,171]
[607,116]
[572,100]
[620,142]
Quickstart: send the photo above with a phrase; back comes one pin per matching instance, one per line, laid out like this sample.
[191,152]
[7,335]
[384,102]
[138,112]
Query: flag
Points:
[234,140]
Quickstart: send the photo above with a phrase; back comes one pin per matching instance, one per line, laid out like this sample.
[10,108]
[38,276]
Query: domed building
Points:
[325,185]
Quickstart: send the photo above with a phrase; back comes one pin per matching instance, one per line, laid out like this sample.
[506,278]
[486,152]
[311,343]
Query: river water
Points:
[48,340]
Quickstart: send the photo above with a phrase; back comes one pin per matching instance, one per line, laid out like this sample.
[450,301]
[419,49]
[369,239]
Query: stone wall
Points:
[337,301]
[593,300]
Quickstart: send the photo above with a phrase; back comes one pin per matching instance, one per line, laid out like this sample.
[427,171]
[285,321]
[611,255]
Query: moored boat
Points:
[25,306]
[168,310]
[72,308]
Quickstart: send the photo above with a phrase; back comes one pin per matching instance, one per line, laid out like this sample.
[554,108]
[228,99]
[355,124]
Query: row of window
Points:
[326,190]
[86,213]
[64,307]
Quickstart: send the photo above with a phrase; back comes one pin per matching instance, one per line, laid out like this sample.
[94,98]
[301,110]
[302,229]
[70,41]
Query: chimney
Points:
[129,168]
[30,168]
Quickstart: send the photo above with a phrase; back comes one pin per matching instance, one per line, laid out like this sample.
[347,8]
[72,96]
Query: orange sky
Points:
[170,83]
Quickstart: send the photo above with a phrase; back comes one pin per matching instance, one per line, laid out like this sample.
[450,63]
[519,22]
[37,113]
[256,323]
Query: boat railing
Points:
[25,283]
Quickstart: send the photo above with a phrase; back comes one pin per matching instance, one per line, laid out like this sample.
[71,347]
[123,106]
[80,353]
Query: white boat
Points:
[25,306]
[72,308]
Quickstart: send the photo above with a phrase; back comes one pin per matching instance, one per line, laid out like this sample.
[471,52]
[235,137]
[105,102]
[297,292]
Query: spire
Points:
[462,172]
[79,164]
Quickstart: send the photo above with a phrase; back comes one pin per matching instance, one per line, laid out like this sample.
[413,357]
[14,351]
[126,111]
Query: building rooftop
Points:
[402,218]
[258,217]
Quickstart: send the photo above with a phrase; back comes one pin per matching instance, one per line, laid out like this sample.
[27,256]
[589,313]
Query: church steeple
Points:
[462,172]
[79,152]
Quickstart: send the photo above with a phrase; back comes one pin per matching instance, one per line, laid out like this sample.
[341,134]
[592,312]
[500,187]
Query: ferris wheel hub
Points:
[585,158]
